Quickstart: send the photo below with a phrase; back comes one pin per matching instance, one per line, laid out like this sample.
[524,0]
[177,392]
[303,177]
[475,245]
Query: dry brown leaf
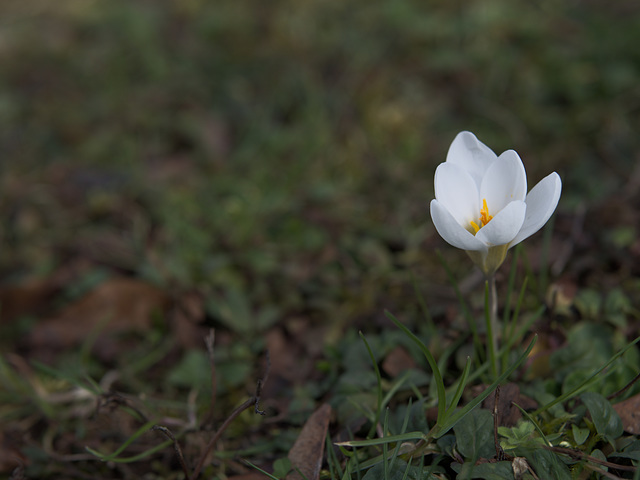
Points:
[187,320]
[10,455]
[307,453]
[291,364]
[397,361]
[629,412]
[116,305]
[26,299]
[285,357]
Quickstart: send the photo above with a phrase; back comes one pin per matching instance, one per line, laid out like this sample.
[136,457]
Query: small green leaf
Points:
[490,471]
[579,434]
[281,467]
[522,435]
[474,436]
[547,464]
[447,443]
[588,302]
[193,370]
[400,471]
[605,418]
[597,453]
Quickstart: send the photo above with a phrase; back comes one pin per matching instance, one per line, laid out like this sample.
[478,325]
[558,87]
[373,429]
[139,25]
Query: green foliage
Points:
[400,471]
[486,471]
[474,436]
[522,435]
[281,467]
[547,464]
[604,417]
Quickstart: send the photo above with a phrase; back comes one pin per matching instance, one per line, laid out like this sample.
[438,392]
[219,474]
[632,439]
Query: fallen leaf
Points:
[307,453]
[116,305]
[187,320]
[10,455]
[629,412]
[291,364]
[28,298]
[397,361]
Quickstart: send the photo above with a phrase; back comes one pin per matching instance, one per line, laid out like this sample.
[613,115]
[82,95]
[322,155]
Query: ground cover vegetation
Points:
[217,259]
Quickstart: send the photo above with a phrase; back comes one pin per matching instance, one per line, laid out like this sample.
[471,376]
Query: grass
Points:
[267,167]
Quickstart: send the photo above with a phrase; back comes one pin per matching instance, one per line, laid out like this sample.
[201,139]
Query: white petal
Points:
[503,228]
[452,232]
[541,203]
[505,181]
[471,154]
[456,191]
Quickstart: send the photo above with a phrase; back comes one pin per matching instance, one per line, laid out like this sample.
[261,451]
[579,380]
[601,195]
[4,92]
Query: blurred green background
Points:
[291,146]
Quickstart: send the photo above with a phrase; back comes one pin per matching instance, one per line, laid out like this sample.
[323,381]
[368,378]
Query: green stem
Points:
[491,317]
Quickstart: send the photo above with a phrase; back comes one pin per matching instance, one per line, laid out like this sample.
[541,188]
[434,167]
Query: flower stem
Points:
[491,317]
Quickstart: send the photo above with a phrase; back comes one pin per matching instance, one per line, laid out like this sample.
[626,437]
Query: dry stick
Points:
[114,398]
[254,400]
[620,392]
[176,446]
[602,472]
[209,341]
[492,326]
[499,451]
[578,455]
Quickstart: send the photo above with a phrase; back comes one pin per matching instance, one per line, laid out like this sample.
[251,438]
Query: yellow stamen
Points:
[484,213]
[484,217]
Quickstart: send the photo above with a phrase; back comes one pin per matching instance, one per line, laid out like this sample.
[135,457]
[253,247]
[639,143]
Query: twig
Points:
[254,400]
[176,446]
[602,472]
[578,455]
[627,387]
[261,382]
[114,399]
[18,473]
[499,451]
[209,342]
[491,312]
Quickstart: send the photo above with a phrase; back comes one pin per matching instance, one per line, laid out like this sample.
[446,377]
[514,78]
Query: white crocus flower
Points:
[482,205]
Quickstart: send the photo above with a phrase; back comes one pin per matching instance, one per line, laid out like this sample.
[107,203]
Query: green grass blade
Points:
[493,361]
[404,437]
[451,420]
[72,379]
[564,397]
[465,308]
[112,456]
[534,423]
[462,382]
[260,470]
[437,376]
[511,284]
[379,386]
[135,458]
[422,303]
